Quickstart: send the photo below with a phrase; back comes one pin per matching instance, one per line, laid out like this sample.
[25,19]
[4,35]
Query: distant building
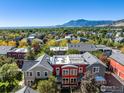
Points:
[19,54]
[82,47]
[5,49]
[70,69]
[119,39]
[117,64]
[106,50]
[59,50]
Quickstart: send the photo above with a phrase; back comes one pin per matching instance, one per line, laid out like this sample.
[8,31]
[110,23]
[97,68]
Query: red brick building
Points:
[117,64]
[19,54]
[70,69]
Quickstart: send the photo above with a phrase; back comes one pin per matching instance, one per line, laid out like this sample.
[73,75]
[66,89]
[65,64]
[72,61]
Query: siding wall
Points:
[117,68]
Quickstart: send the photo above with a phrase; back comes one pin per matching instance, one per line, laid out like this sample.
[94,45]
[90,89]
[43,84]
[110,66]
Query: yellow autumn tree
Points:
[23,43]
[75,41]
[4,43]
[52,43]
[11,43]
[1,41]
[63,43]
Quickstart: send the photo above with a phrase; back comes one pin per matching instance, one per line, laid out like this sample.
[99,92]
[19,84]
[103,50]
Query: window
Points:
[30,82]
[63,81]
[57,71]
[38,74]
[29,73]
[95,69]
[65,72]
[80,70]
[45,73]
[73,80]
[71,45]
[73,72]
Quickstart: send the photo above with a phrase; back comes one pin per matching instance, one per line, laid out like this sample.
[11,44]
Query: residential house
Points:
[119,39]
[106,50]
[26,89]
[5,49]
[19,54]
[36,69]
[82,47]
[70,69]
[117,64]
[59,50]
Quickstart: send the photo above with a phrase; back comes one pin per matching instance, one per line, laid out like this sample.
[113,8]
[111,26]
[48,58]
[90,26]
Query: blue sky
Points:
[52,12]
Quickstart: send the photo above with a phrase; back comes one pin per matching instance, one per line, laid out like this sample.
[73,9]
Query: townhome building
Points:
[36,69]
[70,69]
[19,54]
[117,64]
[5,49]
[82,47]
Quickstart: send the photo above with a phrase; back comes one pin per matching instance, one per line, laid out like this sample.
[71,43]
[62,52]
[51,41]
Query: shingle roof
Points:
[82,47]
[91,59]
[26,89]
[85,58]
[5,49]
[41,61]
[28,64]
[119,57]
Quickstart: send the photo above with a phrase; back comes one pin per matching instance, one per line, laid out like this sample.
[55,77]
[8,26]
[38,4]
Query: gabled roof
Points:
[72,59]
[82,47]
[5,49]
[28,64]
[26,89]
[119,57]
[91,59]
[41,61]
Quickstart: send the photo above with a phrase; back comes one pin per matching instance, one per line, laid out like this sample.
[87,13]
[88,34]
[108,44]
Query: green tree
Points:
[30,55]
[88,84]
[9,77]
[47,86]
[72,51]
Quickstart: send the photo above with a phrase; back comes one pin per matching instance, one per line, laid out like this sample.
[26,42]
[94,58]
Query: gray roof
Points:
[5,49]
[119,57]
[28,64]
[41,61]
[85,58]
[26,89]
[91,59]
[82,47]
[103,47]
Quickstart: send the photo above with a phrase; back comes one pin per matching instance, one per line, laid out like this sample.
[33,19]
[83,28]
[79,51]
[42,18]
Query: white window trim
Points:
[45,72]
[56,70]
[37,72]
[30,82]
[64,74]
[81,71]
[97,69]
[29,73]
